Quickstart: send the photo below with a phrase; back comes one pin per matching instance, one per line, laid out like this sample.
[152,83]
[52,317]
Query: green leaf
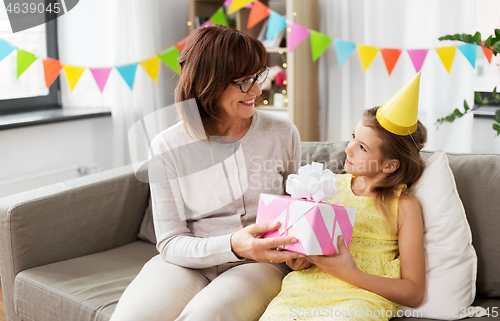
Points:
[478,98]
[494,93]
[496,48]
[496,127]
[497,33]
[487,43]
[477,38]
[497,116]
[486,100]
[466,106]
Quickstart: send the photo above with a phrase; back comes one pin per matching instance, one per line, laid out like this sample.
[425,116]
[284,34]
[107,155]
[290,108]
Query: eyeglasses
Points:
[247,84]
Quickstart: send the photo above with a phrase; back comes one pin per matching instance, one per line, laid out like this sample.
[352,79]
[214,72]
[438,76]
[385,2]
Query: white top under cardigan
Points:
[203,192]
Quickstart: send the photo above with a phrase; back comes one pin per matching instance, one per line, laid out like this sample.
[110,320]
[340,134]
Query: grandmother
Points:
[209,171]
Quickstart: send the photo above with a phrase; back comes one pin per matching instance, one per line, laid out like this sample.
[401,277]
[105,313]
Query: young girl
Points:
[385,264]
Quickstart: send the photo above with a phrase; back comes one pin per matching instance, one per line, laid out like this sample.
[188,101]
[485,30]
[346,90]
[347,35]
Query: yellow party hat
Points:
[399,114]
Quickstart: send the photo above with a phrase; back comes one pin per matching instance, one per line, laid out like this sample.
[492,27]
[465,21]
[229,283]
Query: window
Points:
[488,19]
[28,92]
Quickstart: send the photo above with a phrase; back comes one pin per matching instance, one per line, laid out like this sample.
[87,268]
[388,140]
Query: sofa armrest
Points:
[70,219]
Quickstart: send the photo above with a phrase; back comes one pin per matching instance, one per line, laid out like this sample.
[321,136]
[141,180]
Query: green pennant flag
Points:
[170,56]
[319,43]
[219,18]
[24,60]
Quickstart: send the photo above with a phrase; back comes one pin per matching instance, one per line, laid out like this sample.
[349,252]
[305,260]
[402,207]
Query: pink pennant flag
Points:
[101,76]
[296,34]
[417,57]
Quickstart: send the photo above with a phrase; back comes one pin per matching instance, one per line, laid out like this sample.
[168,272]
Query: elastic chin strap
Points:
[413,141]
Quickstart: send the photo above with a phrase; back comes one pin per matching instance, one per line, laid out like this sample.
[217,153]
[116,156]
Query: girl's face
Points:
[364,156]
[236,104]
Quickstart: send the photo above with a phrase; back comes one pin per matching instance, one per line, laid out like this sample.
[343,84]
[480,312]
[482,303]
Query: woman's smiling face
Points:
[364,155]
[236,104]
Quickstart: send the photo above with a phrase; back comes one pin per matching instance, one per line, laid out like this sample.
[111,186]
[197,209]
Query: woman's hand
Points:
[248,243]
[341,266]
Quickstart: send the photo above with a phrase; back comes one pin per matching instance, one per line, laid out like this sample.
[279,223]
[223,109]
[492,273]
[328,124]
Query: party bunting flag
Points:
[51,68]
[390,56]
[319,42]
[275,24]
[170,57]
[128,73]
[227,3]
[344,50]
[417,57]
[237,5]
[366,55]
[180,45]
[219,18]
[470,52]
[152,66]
[258,13]
[73,74]
[24,60]
[487,52]
[5,49]
[206,24]
[296,35]
[447,54]
[101,76]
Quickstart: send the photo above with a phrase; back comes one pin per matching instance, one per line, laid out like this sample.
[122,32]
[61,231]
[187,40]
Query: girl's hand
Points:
[248,243]
[341,266]
[299,263]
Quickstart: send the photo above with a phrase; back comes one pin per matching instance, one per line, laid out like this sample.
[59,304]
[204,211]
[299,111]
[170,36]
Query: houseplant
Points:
[493,43]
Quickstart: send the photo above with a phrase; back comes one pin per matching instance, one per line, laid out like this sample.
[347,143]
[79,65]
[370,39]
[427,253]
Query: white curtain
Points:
[111,33]
[412,24]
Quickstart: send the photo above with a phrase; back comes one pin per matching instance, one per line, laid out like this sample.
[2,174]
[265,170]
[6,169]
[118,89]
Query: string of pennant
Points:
[258,12]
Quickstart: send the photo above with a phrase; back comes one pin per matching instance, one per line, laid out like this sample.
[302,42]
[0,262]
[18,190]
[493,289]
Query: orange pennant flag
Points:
[390,56]
[237,5]
[73,74]
[487,52]
[181,44]
[258,13]
[447,54]
[152,67]
[51,68]
[366,55]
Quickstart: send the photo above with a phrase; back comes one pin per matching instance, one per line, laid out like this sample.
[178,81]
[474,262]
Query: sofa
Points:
[69,250]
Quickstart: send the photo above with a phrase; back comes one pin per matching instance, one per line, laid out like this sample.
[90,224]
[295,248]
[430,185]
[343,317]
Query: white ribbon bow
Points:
[312,183]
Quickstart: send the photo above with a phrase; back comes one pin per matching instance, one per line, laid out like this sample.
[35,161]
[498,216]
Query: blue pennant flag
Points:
[5,49]
[344,50]
[128,73]
[275,24]
[470,52]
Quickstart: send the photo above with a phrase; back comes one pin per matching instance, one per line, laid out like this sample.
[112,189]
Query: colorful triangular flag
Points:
[275,24]
[344,50]
[258,13]
[152,66]
[206,24]
[319,43]
[51,69]
[180,45]
[390,56]
[417,57]
[128,73]
[170,58]
[24,60]
[73,74]
[237,5]
[366,55]
[101,76]
[447,54]
[296,35]
[5,49]
[470,52]
[487,52]
[219,18]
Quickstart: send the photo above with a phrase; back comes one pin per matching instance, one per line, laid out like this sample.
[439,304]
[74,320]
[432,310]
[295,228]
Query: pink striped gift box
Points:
[316,226]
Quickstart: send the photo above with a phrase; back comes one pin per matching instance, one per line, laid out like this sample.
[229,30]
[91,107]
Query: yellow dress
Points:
[313,294]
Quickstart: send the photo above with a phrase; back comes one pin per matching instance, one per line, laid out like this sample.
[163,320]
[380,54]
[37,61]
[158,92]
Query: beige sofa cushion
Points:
[84,288]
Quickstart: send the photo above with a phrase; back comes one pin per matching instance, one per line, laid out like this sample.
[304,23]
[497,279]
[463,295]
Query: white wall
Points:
[484,139]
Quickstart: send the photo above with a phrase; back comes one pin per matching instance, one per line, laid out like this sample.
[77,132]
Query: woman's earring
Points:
[383,174]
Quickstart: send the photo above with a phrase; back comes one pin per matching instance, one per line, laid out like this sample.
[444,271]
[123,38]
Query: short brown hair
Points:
[402,148]
[212,58]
